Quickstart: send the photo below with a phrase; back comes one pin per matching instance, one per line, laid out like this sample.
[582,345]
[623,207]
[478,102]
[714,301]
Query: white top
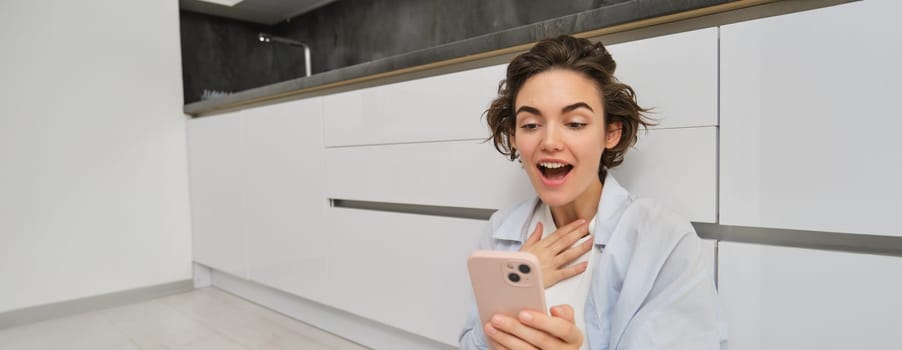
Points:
[574,290]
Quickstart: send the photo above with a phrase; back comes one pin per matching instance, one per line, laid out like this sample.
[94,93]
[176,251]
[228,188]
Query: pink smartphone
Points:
[505,283]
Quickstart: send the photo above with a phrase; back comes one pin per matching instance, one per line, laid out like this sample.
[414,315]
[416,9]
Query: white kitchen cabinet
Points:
[217,191]
[790,298]
[438,108]
[256,195]
[809,128]
[676,166]
[682,89]
[404,270]
[806,138]
[458,174]
[675,74]
[284,201]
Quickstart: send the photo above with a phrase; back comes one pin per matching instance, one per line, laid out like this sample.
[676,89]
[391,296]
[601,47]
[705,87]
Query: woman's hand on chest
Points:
[556,252]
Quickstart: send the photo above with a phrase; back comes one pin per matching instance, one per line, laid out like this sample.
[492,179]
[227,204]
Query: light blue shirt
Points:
[651,285]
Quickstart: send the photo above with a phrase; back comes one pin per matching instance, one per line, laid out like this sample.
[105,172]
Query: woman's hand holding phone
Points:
[535,330]
[556,251]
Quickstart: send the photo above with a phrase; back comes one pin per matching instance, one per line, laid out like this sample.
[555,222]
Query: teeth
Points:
[552,165]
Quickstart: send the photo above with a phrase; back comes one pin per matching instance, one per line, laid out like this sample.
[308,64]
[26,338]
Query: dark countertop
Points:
[612,15]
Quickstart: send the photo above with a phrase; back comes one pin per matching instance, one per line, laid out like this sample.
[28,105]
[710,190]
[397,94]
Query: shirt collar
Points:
[614,199]
[514,226]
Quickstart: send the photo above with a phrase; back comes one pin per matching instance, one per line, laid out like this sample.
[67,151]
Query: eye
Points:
[576,125]
[529,126]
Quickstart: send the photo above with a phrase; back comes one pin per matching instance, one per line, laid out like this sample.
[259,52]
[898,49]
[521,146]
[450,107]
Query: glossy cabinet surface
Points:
[676,166]
[674,75]
[791,298]
[405,270]
[217,191]
[808,128]
[256,194]
[439,108]
[458,174]
[283,220]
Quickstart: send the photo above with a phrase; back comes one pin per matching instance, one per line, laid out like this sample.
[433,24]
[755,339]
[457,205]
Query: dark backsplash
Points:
[221,54]
[224,54]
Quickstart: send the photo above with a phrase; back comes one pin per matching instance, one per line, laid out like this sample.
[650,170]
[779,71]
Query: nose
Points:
[551,140]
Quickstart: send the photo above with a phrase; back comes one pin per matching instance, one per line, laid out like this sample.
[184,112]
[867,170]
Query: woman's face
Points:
[560,134]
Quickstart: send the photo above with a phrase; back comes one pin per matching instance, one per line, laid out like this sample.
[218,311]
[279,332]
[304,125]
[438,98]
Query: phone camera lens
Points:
[514,277]
[524,268]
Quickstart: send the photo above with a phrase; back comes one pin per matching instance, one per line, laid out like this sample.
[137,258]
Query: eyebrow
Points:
[566,109]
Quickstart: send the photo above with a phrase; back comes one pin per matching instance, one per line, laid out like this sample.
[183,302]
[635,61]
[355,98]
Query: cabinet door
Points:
[676,75]
[256,194]
[790,298]
[404,270]
[467,174]
[676,166]
[439,108]
[282,162]
[809,128]
[215,174]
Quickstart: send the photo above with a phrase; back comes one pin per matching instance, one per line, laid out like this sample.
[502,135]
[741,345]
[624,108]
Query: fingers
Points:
[534,237]
[573,253]
[498,333]
[570,271]
[497,346]
[560,324]
[565,259]
[568,236]
[552,239]
[564,311]
[535,330]
[556,251]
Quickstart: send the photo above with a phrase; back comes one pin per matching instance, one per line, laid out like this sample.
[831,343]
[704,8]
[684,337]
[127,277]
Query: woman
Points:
[619,272]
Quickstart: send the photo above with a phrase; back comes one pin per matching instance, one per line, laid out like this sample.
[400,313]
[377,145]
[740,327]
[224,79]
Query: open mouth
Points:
[554,171]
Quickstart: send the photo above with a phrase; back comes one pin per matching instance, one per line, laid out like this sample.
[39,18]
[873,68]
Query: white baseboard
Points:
[357,329]
[203,276]
[40,313]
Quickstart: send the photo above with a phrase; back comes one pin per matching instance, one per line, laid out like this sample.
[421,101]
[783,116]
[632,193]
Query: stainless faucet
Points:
[266,38]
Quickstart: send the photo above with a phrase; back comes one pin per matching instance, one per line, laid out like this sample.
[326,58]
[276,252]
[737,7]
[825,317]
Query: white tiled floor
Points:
[203,319]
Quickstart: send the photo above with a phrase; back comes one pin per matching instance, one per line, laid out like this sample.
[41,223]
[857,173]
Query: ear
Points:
[513,141]
[613,134]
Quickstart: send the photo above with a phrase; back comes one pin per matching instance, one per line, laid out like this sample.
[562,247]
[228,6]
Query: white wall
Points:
[93,178]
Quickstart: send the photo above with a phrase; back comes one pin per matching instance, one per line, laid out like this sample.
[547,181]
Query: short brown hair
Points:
[582,56]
